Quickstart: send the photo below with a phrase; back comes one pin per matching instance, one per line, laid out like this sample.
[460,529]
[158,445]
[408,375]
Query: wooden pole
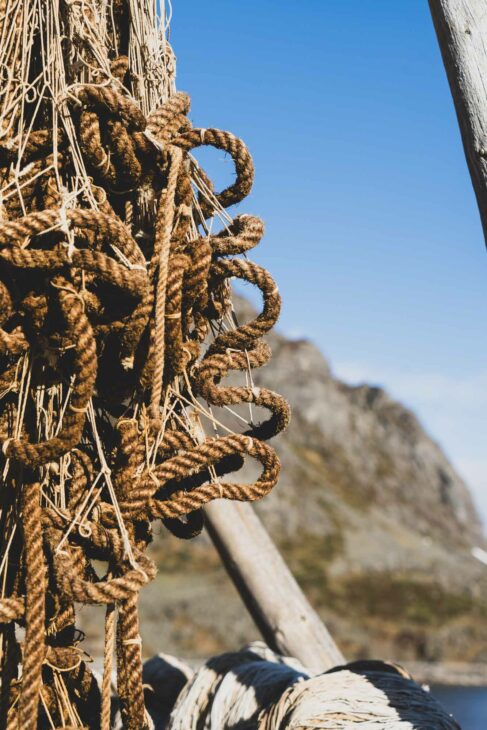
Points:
[278,606]
[461,28]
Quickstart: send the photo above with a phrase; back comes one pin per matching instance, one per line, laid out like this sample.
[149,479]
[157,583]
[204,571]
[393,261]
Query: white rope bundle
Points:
[258,690]
[372,700]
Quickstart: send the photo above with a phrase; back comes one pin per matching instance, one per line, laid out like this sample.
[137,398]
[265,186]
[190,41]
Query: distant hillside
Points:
[373,519]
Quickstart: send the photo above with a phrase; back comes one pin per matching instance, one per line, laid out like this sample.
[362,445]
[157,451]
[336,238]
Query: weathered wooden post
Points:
[277,604]
[461,27]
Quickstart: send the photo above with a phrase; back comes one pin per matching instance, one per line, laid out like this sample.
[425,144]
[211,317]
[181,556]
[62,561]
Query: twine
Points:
[260,690]
[116,333]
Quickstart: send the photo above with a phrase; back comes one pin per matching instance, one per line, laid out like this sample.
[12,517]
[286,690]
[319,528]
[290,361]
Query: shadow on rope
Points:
[256,689]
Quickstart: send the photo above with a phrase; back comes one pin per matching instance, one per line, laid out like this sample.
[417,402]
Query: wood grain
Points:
[277,604]
[461,28]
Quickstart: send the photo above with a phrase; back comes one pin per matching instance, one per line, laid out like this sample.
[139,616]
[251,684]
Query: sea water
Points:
[468,705]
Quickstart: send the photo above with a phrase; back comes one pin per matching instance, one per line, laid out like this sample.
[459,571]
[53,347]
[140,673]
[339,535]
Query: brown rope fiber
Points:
[116,334]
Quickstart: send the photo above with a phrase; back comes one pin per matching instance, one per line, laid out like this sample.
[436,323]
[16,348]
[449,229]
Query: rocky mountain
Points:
[373,519]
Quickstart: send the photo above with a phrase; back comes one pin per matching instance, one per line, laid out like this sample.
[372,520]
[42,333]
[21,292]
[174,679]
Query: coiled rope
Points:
[256,689]
[116,330]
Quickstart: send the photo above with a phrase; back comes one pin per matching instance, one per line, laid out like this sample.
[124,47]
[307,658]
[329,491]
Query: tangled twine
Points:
[116,331]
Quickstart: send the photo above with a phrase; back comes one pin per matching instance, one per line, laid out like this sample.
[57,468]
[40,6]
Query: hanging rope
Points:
[116,332]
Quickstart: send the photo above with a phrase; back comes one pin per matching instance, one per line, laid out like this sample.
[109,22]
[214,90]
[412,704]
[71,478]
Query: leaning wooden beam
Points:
[278,606]
[461,27]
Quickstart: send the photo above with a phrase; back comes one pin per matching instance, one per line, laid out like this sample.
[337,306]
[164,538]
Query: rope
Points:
[259,690]
[116,336]
[162,245]
[34,607]
[106,689]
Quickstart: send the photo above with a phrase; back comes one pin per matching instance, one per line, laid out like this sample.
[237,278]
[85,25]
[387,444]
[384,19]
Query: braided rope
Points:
[162,245]
[34,607]
[116,334]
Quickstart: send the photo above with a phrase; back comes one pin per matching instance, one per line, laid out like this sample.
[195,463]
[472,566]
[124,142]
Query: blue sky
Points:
[372,227]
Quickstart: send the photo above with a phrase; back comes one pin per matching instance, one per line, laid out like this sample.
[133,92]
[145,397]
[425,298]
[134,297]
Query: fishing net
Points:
[116,331]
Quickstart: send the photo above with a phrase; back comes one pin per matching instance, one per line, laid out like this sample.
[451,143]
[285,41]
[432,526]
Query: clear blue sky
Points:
[372,227]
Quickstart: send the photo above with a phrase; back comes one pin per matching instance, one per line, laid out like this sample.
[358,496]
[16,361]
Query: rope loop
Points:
[117,336]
